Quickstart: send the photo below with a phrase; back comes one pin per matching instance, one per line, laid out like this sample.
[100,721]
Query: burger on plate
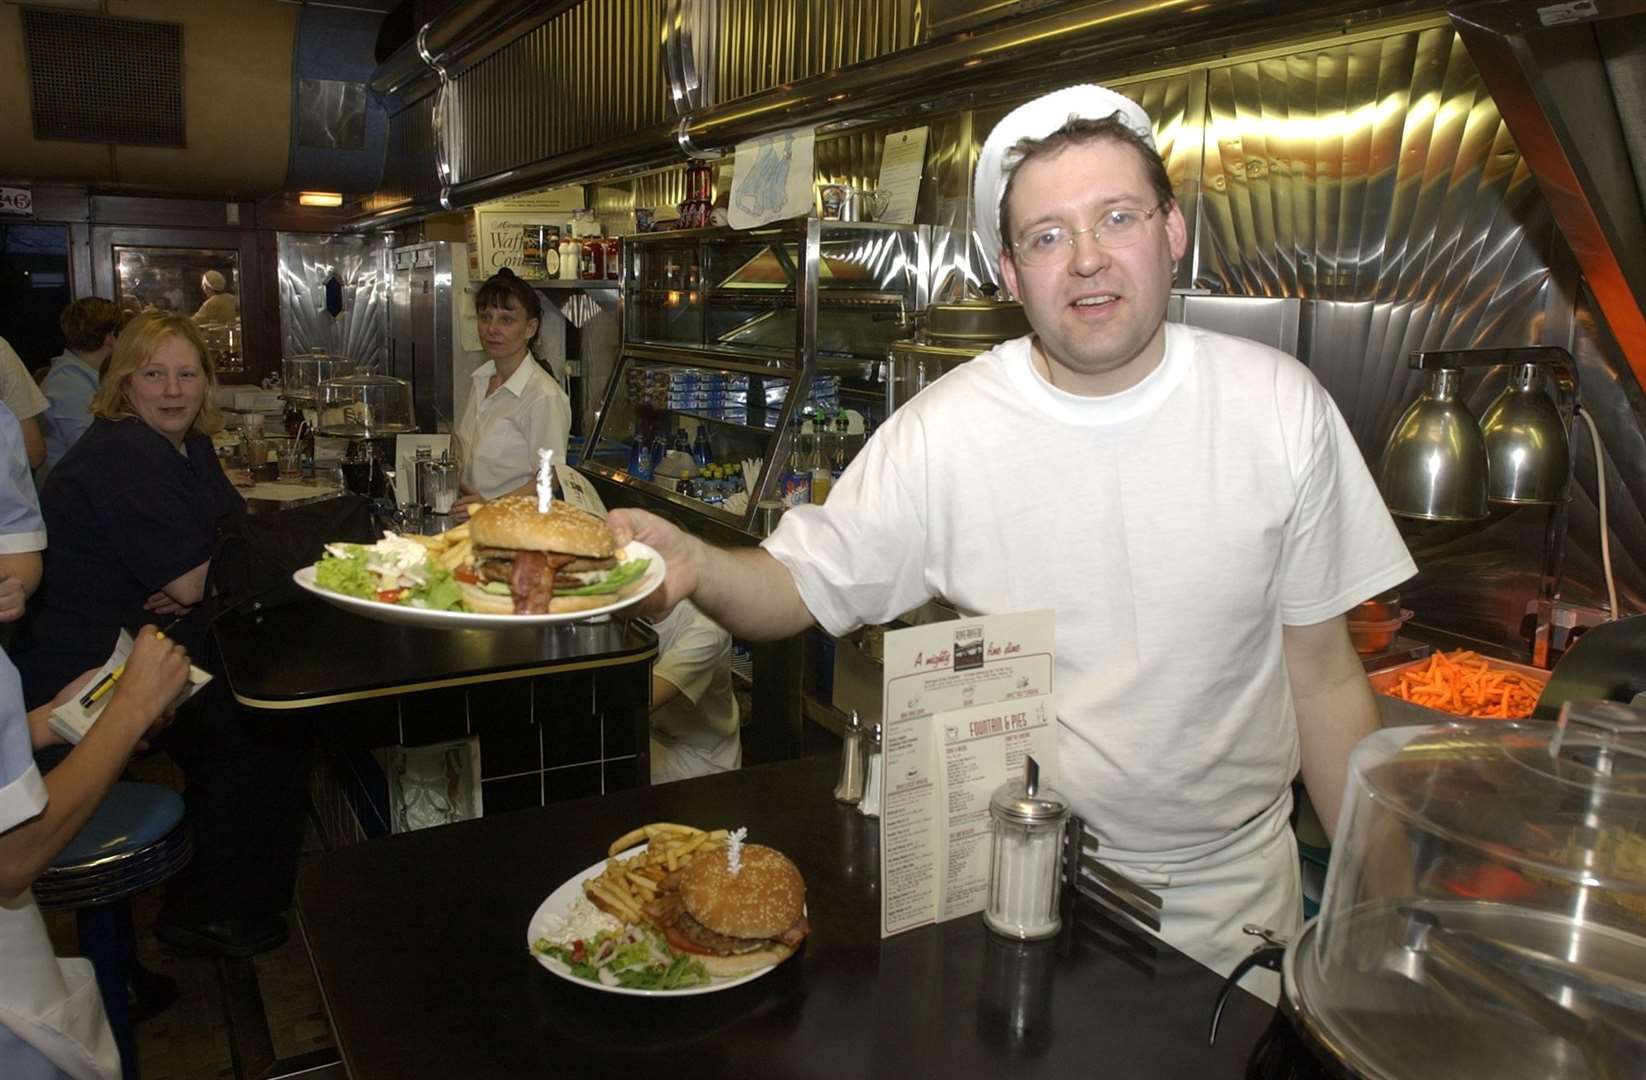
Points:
[738,922]
[530,563]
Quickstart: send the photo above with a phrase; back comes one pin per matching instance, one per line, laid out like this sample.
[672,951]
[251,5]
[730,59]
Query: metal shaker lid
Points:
[1026,802]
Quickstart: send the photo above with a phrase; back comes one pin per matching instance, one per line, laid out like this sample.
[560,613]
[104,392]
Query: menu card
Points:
[966,702]
[902,160]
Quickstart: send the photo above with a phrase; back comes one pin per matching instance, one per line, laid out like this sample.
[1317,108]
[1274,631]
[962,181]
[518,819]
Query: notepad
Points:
[72,720]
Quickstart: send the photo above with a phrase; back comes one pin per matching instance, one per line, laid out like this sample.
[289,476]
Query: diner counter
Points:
[418,943]
[309,653]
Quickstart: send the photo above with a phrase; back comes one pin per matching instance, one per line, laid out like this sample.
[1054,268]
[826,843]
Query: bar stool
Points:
[136,839]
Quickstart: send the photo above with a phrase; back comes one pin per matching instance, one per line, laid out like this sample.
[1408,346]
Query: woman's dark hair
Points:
[501,287]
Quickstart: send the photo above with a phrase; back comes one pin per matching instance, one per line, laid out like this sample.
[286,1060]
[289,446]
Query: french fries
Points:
[449,549]
[625,885]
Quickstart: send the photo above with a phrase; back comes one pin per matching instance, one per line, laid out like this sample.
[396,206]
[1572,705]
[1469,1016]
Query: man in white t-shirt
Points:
[694,718]
[1190,505]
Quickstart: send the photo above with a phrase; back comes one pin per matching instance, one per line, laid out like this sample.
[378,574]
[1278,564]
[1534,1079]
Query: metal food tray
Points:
[1394,712]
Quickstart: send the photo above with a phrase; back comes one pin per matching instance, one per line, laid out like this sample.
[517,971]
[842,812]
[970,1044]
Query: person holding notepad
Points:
[52,1022]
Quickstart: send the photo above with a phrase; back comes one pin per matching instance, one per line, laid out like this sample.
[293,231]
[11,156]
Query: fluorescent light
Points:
[320,198]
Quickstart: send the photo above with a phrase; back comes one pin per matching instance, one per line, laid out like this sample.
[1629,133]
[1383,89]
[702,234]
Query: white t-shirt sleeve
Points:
[691,651]
[1341,546]
[861,557]
[17,386]
[21,526]
[22,791]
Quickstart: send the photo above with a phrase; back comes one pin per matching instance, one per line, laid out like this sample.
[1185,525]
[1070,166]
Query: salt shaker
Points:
[849,787]
[1027,857]
[870,805]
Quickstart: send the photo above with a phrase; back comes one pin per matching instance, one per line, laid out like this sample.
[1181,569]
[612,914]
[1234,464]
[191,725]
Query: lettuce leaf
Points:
[439,591]
[614,581]
[347,576]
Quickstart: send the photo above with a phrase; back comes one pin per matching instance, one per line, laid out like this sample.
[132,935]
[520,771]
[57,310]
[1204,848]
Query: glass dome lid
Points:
[1485,904]
[365,405]
[302,374]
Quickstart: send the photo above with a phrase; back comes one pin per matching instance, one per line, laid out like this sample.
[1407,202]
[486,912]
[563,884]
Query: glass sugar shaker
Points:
[849,787]
[1027,857]
[869,806]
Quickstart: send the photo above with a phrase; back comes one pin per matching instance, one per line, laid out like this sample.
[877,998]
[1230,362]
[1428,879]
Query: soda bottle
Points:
[797,478]
[700,447]
[837,462]
[822,479]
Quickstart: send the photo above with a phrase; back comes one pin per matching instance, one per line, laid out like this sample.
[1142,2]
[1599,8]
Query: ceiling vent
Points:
[98,79]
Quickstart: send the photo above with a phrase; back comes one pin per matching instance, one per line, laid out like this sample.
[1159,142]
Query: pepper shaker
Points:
[1028,852]
[870,804]
[848,787]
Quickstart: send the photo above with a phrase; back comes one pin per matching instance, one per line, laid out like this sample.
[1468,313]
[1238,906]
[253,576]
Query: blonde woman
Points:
[131,512]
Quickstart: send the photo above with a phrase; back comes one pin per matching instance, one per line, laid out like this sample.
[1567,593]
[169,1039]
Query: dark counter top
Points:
[418,942]
[310,653]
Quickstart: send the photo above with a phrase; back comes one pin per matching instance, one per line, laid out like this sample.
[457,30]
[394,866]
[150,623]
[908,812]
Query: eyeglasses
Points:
[1053,244]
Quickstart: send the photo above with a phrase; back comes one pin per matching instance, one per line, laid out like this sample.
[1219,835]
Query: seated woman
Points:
[131,511]
[515,408]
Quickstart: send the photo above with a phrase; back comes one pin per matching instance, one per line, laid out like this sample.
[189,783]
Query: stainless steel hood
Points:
[1570,80]
[1010,57]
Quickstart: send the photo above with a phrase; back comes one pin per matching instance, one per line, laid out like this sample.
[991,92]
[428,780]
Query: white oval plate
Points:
[457,620]
[560,901]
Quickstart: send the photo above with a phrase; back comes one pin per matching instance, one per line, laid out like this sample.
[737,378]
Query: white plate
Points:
[456,620]
[560,902]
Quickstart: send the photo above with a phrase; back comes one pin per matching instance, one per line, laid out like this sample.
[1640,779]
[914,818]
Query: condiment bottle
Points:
[1027,857]
[849,787]
[869,806]
[571,257]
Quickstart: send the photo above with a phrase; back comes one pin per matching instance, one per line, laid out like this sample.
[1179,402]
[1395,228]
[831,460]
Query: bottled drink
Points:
[796,481]
[822,479]
[682,441]
[837,461]
[640,459]
[660,450]
[700,447]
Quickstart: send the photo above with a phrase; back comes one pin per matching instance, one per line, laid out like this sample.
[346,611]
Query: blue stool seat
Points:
[136,838]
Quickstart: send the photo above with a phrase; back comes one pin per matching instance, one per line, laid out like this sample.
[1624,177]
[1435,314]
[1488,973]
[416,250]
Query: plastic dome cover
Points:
[365,406]
[301,375]
[1485,907]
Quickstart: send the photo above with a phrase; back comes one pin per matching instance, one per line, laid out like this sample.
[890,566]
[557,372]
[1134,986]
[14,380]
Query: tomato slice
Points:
[466,576]
[682,943]
[389,596]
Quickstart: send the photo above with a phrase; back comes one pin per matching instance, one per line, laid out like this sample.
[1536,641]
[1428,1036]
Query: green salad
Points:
[392,571]
[632,958]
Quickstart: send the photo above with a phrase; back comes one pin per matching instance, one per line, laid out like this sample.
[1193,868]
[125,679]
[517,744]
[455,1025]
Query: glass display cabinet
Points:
[733,340]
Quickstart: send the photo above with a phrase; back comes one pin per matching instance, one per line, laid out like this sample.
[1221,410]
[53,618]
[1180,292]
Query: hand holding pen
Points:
[101,687]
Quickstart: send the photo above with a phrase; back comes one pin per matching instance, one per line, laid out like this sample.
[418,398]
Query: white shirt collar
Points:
[516,383]
[1129,404]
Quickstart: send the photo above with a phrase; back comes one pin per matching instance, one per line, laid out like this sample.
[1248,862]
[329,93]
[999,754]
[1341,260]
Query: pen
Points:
[106,683]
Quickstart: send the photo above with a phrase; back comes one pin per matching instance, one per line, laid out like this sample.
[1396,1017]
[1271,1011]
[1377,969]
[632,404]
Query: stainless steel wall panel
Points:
[408,158]
[306,262]
[765,43]
[588,75]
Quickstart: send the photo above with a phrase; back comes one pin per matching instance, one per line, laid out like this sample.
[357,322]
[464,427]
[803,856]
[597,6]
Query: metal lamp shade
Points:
[1526,453]
[1434,466]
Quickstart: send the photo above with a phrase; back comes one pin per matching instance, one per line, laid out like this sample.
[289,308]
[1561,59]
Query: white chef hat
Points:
[1036,120]
[213,280]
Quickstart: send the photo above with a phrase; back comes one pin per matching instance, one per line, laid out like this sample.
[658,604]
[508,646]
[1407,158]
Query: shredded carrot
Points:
[1467,684]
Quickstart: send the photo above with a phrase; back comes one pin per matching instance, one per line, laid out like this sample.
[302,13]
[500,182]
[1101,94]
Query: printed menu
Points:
[966,702]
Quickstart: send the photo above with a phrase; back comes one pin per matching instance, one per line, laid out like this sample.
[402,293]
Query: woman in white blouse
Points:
[515,407]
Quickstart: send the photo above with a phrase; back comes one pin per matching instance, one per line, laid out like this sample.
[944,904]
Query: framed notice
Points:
[902,163]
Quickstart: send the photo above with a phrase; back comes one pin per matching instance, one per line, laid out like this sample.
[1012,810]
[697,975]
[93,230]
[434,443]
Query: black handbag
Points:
[255,555]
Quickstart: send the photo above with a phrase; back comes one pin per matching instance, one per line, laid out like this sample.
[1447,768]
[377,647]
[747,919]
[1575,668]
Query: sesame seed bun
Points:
[764,898]
[513,522]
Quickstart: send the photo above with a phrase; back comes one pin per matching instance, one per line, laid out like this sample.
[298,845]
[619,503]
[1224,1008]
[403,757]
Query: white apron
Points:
[50,1003]
[1209,891]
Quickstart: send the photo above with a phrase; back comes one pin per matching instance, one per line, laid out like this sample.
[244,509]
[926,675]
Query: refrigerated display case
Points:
[744,336]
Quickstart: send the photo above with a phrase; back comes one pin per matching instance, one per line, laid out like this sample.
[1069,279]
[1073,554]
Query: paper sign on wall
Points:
[902,162]
[772,179]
